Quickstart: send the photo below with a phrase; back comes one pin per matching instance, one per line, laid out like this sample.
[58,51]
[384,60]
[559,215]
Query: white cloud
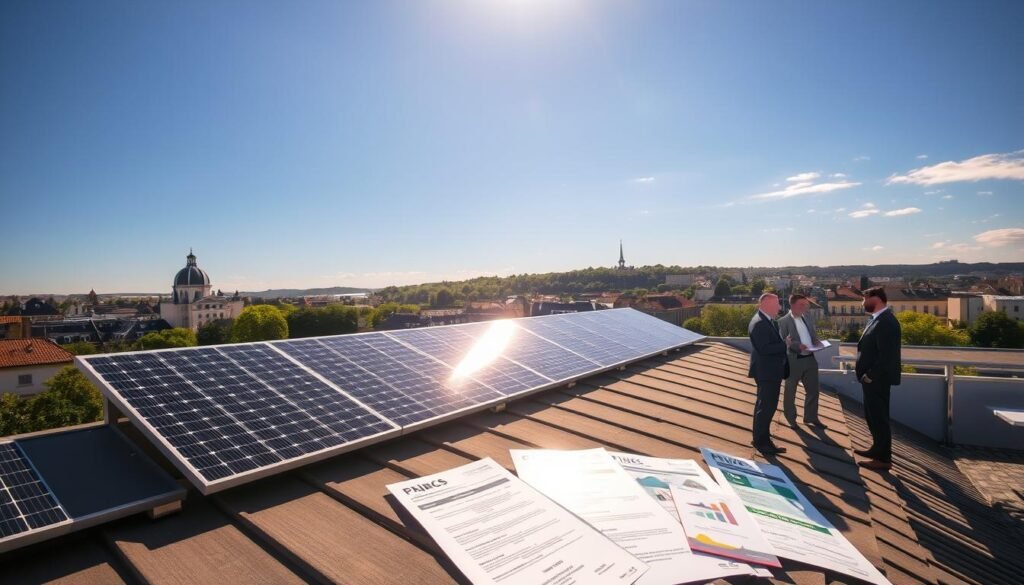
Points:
[938,245]
[877,248]
[838,175]
[947,197]
[1009,166]
[869,205]
[904,211]
[840,210]
[645,212]
[936,192]
[863,213]
[984,193]
[808,187]
[861,157]
[644,180]
[961,248]
[921,156]
[803,177]
[1001,237]
[988,219]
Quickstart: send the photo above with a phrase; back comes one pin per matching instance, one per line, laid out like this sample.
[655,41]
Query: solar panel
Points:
[223,421]
[230,414]
[57,482]
[26,503]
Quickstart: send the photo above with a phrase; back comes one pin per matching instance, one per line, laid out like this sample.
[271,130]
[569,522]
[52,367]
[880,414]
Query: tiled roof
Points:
[31,352]
[8,319]
[333,521]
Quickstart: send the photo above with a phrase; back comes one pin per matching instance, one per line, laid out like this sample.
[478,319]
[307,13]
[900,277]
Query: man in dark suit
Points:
[768,367]
[878,369]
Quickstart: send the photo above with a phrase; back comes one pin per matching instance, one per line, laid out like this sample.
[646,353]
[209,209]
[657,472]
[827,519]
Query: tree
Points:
[69,399]
[80,348]
[259,323]
[757,287]
[329,320]
[381,313]
[726,320]
[444,298]
[925,329]
[997,329]
[176,337]
[664,288]
[214,332]
[723,288]
[741,289]
[695,324]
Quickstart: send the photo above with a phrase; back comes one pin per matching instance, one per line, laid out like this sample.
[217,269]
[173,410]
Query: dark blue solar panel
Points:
[25,501]
[645,333]
[457,348]
[563,331]
[546,358]
[220,418]
[403,385]
[339,413]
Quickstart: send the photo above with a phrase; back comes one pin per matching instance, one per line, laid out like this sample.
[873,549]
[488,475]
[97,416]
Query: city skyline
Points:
[397,143]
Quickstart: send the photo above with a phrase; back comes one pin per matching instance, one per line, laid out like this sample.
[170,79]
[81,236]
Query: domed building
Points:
[192,303]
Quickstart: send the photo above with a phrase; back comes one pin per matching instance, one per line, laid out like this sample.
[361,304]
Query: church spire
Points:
[191,258]
[622,257]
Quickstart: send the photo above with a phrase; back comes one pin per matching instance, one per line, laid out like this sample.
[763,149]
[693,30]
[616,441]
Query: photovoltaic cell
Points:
[233,410]
[26,503]
[453,345]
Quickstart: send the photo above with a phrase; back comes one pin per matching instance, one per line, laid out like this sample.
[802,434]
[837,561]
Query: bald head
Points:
[768,304]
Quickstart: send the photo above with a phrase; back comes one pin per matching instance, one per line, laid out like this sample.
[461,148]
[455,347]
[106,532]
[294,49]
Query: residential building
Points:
[26,363]
[98,329]
[845,304]
[192,303]
[675,309]
[1011,305]
[680,280]
[964,307]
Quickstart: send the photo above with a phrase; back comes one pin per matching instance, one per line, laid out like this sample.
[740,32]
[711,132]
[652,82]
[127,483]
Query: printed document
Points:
[499,530]
[590,484]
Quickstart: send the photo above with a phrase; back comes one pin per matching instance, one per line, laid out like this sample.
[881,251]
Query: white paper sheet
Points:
[499,530]
[822,344]
[590,484]
[788,521]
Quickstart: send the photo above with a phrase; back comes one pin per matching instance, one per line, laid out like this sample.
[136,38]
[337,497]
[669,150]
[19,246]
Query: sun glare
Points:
[486,350]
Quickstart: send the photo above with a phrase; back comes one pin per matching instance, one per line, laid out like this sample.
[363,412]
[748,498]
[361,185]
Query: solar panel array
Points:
[26,503]
[229,414]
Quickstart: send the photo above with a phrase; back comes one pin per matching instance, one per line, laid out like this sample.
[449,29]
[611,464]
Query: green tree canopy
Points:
[723,288]
[385,310]
[176,337]
[80,348]
[925,329]
[259,323]
[725,320]
[69,399]
[997,329]
[215,332]
[329,320]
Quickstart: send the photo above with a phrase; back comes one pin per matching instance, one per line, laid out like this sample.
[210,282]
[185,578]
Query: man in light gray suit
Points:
[803,367]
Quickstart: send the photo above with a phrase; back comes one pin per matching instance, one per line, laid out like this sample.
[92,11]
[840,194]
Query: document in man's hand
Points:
[497,529]
[822,344]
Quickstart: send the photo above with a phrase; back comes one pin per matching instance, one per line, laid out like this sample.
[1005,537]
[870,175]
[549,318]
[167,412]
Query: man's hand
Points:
[789,340]
[865,379]
[803,347]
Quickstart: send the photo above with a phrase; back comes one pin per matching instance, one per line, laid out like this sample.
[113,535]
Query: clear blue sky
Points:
[368,143]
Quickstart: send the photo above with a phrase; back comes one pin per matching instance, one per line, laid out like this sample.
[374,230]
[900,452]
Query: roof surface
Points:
[332,521]
[31,352]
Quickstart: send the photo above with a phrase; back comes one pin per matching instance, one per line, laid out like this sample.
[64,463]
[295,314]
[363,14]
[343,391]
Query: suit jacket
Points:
[878,351]
[768,350]
[787,328]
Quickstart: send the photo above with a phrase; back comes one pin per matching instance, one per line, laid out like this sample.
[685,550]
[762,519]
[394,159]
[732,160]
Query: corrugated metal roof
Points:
[333,521]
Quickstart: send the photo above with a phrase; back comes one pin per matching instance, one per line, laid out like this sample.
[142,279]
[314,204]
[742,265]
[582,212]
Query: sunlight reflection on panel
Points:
[487,349]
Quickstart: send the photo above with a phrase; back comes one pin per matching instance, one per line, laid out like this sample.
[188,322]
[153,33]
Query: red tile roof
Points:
[5,319]
[31,352]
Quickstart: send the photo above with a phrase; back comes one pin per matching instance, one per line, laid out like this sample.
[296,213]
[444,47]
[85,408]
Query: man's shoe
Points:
[817,424]
[864,452]
[770,449]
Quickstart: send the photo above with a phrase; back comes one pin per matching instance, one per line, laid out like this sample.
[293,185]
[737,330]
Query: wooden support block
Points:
[164,510]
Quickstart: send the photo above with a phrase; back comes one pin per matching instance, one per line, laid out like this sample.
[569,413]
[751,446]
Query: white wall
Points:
[9,378]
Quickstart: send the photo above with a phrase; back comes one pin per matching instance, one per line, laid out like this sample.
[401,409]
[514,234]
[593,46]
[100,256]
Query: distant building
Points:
[1011,305]
[97,329]
[680,280]
[26,363]
[675,309]
[557,307]
[845,304]
[192,303]
[964,307]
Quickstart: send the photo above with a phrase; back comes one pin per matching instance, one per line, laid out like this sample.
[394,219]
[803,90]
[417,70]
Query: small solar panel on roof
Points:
[26,503]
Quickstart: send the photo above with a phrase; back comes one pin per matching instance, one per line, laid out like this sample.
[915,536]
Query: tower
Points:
[622,257]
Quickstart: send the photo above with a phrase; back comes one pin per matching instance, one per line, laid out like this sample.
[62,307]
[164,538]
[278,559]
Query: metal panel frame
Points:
[209,487]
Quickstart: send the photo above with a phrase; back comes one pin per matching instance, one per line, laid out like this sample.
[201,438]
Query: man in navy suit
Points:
[878,369]
[768,367]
